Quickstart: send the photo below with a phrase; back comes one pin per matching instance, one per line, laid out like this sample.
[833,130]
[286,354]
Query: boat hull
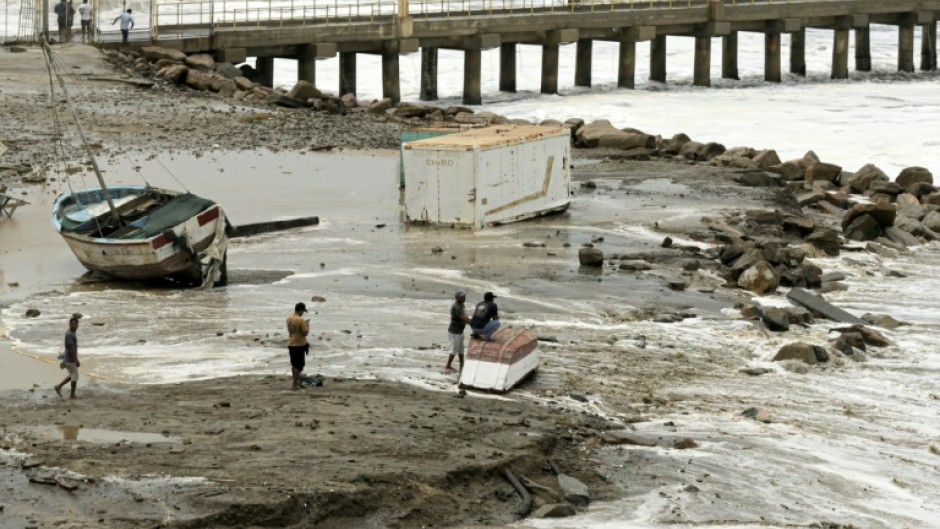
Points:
[500,365]
[177,252]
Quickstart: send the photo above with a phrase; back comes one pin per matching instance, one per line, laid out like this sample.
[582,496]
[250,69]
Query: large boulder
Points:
[200,61]
[822,172]
[198,80]
[227,70]
[573,490]
[885,187]
[591,257]
[791,170]
[901,237]
[912,175]
[175,73]
[911,225]
[862,180]
[381,105]
[155,53]
[243,83]
[710,150]
[286,101]
[766,159]
[675,144]
[884,214]
[863,228]
[627,141]
[826,240]
[920,189]
[760,278]
[304,90]
[932,221]
[590,135]
[932,198]
[804,352]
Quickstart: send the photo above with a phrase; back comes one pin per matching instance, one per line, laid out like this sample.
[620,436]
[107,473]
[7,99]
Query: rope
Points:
[173,176]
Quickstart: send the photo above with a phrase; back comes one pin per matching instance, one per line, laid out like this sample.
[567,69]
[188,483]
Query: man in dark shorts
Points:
[62,18]
[458,320]
[485,320]
[70,362]
[297,346]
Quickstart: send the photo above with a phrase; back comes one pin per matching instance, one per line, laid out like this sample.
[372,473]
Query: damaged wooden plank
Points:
[820,306]
[247,230]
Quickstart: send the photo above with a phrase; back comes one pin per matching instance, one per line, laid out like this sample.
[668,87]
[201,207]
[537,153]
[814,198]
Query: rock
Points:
[832,286]
[286,101]
[155,53]
[932,198]
[617,438]
[174,73]
[243,83]
[801,351]
[820,306]
[675,144]
[932,221]
[591,257]
[32,313]
[200,61]
[832,276]
[885,187]
[748,259]
[227,89]
[667,242]
[710,150]
[821,171]
[590,135]
[554,510]
[760,278]
[304,90]
[792,171]
[198,79]
[802,225]
[921,189]
[627,141]
[914,211]
[380,106]
[871,337]
[685,444]
[775,320]
[883,214]
[912,175]
[881,250]
[862,180]
[766,159]
[906,199]
[883,321]
[227,70]
[349,100]
[863,228]
[411,110]
[755,371]
[810,198]
[901,237]
[634,266]
[573,490]
[757,415]
[678,286]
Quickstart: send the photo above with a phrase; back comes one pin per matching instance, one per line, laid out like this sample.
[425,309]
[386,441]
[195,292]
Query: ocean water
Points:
[856,443]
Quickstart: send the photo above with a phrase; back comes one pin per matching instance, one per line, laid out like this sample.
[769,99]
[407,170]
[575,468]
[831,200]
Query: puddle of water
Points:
[100,436]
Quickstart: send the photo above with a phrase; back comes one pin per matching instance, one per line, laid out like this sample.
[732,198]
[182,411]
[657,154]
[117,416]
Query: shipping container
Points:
[488,176]
[409,134]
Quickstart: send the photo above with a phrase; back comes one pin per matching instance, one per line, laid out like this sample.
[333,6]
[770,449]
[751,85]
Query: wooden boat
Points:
[501,364]
[150,233]
[137,232]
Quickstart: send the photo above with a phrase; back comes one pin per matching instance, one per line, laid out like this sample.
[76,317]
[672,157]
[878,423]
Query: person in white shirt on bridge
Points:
[127,22]
[85,11]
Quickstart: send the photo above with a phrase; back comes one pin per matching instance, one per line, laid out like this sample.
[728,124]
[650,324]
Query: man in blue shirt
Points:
[127,23]
[485,320]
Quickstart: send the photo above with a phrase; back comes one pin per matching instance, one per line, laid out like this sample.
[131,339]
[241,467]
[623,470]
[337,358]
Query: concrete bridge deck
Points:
[306,30]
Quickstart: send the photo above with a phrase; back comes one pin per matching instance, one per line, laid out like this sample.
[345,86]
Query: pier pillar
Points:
[391,87]
[928,46]
[347,73]
[582,65]
[626,64]
[906,47]
[840,54]
[507,67]
[472,61]
[772,57]
[428,90]
[863,49]
[307,64]
[798,52]
[265,68]
[550,68]
[658,59]
[729,56]
[701,71]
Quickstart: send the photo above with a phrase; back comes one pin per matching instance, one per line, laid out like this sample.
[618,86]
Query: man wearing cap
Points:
[485,319]
[297,346]
[458,320]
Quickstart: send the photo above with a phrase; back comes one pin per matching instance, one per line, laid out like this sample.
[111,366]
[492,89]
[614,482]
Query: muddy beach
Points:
[630,358]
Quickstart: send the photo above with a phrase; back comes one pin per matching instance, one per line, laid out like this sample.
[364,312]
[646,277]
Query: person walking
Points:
[127,23]
[297,346]
[69,20]
[84,12]
[485,320]
[70,362]
[458,321]
[61,15]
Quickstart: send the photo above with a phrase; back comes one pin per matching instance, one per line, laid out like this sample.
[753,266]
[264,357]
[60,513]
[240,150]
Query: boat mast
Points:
[47,52]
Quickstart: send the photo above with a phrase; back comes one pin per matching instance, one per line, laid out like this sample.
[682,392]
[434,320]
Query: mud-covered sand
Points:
[247,452]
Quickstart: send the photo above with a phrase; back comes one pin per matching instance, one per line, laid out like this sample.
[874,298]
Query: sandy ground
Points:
[245,452]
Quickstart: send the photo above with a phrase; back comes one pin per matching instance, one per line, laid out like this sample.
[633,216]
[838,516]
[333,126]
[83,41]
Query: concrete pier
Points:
[626,64]
[265,68]
[307,64]
[658,59]
[798,52]
[729,56]
[550,68]
[863,49]
[391,85]
[582,65]
[472,65]
[906,46]
[507,67]
[928,46]
[428,90]
[701,75]
[772,57]
[840,54]
[347,73]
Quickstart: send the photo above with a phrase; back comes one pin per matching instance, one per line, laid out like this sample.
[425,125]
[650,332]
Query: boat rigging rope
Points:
[51,67]
[172,175]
